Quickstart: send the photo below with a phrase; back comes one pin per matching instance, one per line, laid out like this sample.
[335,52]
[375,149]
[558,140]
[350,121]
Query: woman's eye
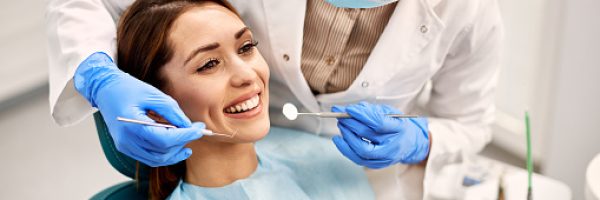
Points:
[248,47]
[208,65]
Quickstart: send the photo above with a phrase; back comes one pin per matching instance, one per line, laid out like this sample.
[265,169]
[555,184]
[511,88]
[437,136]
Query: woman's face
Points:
[217,75]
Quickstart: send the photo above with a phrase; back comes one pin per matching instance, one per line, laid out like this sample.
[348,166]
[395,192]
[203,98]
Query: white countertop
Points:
[514,182]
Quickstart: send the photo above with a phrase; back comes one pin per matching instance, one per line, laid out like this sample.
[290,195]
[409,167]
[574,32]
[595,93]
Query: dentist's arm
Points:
[82,76]
[461,108]
[76,29]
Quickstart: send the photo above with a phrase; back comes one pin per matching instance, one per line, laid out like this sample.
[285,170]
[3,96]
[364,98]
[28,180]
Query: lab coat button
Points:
[365,84]
[424,29]
[286,57]
[329,60]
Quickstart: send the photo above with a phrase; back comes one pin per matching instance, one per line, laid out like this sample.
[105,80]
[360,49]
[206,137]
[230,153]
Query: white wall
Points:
[527,73]
[575,122]
[23,62]
[551,66]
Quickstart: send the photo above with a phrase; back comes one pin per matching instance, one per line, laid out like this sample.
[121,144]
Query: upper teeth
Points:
[246,105]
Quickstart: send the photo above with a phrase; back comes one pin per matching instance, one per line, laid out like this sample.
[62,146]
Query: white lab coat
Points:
[442,53]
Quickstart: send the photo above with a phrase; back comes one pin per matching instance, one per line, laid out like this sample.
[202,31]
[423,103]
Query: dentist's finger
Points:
[345,149]
[168,108]
[163,138]
[358,144]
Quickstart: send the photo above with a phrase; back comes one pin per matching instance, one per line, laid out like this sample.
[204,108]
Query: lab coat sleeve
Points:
[75,30]
[461,104]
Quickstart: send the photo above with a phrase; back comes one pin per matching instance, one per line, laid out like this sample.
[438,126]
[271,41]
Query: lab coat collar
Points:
[401,41]
[285,24]
[410,28]
[433,3]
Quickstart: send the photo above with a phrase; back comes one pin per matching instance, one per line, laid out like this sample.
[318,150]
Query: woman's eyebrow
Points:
[201,49]
[214,45]
[241,32]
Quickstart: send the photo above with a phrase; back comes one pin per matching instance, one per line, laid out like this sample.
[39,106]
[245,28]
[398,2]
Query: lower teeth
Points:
[241,111]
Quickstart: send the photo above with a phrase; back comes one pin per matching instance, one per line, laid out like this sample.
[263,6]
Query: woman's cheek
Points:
[187,99]
[199,103]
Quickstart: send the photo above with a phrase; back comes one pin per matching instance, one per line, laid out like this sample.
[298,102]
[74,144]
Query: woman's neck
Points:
[215,164]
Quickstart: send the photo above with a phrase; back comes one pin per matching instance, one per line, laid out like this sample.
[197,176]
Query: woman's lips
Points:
[243,98]
[248,113]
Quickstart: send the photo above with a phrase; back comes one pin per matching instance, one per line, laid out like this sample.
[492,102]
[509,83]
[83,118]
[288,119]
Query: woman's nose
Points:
[243,74]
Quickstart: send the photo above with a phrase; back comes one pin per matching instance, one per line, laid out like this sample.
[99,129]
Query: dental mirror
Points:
[291,113]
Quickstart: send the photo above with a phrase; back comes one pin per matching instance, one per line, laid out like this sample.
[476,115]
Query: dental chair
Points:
[125,165]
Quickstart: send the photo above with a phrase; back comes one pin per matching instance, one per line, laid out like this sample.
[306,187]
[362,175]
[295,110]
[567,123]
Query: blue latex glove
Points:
[374,140]
[116,93]
[359,3]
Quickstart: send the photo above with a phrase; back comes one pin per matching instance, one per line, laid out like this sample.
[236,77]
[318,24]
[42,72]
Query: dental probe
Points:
[204,131]
[291,112]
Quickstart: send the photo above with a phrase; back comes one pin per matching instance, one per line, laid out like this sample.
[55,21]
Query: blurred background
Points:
[551,67]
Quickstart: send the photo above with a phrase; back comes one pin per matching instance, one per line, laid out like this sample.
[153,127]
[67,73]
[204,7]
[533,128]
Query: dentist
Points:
[438,58]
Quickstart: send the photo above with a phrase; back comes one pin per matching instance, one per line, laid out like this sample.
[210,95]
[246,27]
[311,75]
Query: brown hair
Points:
[143,47]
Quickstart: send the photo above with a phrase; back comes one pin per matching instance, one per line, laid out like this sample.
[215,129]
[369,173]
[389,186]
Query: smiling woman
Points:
[204,56]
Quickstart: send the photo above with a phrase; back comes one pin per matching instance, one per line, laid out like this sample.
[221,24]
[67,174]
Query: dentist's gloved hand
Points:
[116,93]
[374,140]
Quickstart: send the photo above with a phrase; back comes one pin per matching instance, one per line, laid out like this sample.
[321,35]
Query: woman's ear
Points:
[156,117]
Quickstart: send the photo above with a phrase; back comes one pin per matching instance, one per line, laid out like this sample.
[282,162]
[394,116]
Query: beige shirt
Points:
[337,43]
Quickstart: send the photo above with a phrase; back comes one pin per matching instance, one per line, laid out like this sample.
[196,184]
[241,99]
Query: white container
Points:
[592,179]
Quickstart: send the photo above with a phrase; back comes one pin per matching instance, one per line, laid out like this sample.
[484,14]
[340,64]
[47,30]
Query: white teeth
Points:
[243,106]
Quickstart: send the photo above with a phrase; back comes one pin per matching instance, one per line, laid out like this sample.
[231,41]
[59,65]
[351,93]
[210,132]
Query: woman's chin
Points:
[242,134]
[252,133]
